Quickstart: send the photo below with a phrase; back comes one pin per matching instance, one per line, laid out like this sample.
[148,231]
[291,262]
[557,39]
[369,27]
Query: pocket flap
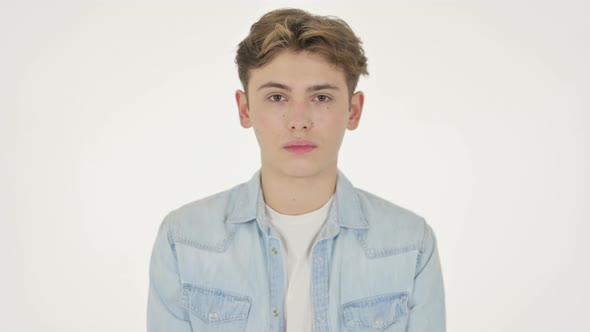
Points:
[376,312]
[214,305]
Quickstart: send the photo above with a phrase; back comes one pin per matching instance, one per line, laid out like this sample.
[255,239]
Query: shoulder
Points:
[392,228]
[202,223]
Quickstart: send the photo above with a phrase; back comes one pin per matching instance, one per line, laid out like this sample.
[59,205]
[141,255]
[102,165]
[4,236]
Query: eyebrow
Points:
[312,88]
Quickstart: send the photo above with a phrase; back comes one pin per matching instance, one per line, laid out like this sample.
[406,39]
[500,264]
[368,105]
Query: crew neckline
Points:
[297,219]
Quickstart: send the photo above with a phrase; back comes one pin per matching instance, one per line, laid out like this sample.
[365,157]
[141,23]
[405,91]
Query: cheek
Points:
[335,126]
[266,129]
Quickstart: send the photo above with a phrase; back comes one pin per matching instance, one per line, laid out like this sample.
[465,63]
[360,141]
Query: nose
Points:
[299,117]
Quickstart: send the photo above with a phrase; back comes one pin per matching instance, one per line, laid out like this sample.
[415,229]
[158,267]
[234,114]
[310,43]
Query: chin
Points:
[299,173]
[301,170]
[296,167]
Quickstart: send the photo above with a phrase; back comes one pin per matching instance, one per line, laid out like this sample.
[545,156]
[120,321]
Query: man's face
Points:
[299,107]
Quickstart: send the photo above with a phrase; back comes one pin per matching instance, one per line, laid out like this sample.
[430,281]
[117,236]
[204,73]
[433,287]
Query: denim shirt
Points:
[217,265]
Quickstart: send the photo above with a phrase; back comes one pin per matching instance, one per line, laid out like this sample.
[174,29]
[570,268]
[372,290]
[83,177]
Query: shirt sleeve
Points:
[427,301]
[164,311]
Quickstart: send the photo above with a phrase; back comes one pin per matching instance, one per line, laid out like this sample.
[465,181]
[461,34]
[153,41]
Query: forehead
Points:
[298,70]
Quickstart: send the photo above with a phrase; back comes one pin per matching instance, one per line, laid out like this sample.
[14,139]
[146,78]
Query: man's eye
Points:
[276,98]
[323,98]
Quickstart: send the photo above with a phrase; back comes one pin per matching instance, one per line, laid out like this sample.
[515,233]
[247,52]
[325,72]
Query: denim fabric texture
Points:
[217,265]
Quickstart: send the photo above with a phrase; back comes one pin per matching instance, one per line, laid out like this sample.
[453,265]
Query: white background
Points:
[113,113]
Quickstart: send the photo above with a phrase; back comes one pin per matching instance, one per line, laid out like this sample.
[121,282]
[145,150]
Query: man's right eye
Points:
[275,98]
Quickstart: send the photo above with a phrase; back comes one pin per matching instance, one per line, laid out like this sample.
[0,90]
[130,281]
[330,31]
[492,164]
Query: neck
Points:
[297,195]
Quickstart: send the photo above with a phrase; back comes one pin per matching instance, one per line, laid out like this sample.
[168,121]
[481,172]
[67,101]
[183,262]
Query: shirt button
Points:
[275,251]
[318,259]
[379,323]
[212,315]
[275,312]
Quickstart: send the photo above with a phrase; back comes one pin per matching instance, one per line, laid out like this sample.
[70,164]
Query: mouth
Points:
[300,147]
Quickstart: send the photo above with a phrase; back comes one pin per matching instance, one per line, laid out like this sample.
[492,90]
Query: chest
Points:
[243,287]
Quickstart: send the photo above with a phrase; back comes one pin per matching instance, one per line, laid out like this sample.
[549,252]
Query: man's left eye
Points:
[323,98]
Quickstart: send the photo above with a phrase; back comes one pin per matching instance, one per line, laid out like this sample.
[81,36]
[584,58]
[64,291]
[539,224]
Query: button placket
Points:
[277,287]
[320,295]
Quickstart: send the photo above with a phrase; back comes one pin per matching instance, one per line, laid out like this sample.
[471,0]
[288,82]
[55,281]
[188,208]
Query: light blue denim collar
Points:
[345,211]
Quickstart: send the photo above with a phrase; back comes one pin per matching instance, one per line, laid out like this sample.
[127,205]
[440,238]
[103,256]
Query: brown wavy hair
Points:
[298,30]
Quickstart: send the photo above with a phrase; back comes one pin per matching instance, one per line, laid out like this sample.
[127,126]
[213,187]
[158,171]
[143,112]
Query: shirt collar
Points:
[247,203]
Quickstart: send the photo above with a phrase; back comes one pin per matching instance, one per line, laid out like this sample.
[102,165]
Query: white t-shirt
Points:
[297,234]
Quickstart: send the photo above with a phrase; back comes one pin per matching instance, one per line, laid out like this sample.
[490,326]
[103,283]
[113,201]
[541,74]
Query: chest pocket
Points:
[215,309]
[386,312]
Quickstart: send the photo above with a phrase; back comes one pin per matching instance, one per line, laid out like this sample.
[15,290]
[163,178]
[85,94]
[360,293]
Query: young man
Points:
[297,247]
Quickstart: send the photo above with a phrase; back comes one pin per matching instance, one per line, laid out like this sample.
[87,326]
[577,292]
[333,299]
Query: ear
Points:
[356,109]
[243,111]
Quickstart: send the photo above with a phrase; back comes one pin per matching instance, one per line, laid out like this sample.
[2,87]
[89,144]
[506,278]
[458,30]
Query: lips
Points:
[300,146]
[300,143]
